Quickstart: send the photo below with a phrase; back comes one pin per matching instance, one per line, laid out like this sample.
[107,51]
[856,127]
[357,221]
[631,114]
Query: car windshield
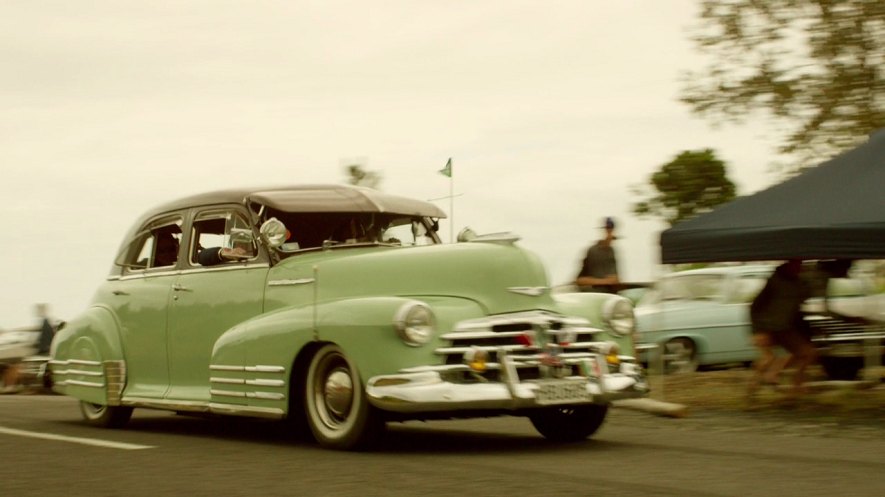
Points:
[691,287]
[314,230]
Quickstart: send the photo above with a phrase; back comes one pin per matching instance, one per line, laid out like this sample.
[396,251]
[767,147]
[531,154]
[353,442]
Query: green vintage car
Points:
[338,309]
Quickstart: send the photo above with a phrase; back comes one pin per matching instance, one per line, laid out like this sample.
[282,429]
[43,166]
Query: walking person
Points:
[12,371]
[599,271]
[776,318]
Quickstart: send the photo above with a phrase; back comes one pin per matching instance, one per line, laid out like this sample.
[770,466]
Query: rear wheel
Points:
[336,408]
[569,423]
[680,356]
[105,416]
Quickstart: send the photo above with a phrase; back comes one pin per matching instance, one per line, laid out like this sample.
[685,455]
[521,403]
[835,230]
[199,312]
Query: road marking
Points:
[77,440]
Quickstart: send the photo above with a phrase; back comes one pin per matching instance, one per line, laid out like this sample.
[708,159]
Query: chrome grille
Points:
[572,338]
[838,329]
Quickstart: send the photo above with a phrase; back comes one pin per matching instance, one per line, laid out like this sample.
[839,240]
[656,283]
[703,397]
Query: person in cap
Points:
[599,271]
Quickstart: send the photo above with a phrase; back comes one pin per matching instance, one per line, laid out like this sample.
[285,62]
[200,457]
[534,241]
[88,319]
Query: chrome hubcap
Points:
[338,393]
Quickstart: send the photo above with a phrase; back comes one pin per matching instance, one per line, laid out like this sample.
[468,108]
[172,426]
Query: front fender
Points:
[591,306]
[362,327]
[81,353]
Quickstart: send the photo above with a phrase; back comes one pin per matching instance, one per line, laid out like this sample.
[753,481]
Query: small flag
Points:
[447,171]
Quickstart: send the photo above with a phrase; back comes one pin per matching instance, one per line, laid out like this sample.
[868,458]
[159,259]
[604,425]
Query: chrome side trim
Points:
[266,383]
[531,291]
[300,281]
[227,393]
[115,376]
[266,369]
[81,372]
[247,395]
[225,267]
[259,385]
[240,381]
[83,363]
[175,405]
[251,369]
[79,383]
[109,375]
[250,411]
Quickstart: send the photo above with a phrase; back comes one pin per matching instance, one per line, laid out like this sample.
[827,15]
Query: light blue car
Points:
[699,317]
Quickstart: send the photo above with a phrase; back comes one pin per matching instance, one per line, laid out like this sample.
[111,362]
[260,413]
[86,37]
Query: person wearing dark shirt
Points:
[47,331]
[599,271]
[776,317]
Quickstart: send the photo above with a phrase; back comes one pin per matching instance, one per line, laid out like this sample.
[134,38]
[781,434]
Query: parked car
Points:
[700,318]
[338,309]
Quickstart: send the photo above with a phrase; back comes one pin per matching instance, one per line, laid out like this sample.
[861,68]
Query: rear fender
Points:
[87,358]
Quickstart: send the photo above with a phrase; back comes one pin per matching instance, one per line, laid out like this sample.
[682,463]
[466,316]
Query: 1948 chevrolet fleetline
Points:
[339,309]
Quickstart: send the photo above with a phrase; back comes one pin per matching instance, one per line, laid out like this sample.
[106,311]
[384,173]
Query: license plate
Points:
[562,392]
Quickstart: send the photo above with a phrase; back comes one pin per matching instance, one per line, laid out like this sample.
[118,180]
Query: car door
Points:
[140,299]
[690,306]
[206,301]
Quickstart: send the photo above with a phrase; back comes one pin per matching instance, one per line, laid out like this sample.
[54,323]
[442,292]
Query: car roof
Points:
[309,198]
[750,268]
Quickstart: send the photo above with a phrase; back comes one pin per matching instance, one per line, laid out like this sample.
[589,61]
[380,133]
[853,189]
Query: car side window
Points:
[748,286]
[221,230]
[156,246]
[692,287]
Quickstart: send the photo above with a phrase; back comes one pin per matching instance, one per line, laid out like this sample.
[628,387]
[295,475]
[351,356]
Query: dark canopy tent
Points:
[834,210]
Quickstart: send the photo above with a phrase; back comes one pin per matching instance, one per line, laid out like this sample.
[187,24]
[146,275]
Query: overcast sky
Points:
[550,112]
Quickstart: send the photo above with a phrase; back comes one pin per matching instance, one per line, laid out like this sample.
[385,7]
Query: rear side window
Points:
[156,246]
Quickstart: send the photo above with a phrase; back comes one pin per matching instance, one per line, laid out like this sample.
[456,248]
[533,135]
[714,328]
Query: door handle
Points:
[179,288]
[119,292]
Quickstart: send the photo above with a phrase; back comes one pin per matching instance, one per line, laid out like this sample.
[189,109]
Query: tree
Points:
[358,175]
[692,183]
[816,66]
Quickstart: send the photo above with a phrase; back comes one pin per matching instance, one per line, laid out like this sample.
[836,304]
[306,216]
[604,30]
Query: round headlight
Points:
[415,323]
[618,314]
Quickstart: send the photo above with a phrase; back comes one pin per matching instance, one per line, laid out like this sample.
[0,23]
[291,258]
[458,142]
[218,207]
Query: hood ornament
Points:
[531,291]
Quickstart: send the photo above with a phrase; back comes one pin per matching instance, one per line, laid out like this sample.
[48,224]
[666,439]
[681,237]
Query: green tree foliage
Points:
[692,183]
[817,66]
[358,175]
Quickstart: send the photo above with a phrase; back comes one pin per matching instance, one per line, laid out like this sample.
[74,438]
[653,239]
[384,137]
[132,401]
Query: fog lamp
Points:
[476,358]
[611,352]
[612,359]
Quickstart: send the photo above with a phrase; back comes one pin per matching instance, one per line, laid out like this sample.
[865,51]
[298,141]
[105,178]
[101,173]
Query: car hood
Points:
[500,277]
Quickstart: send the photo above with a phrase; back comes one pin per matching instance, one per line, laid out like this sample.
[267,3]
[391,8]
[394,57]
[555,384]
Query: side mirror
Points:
[240,235]
[466,234]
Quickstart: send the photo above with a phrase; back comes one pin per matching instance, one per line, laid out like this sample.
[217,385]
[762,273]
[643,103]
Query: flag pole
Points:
[451,207]
[447,171]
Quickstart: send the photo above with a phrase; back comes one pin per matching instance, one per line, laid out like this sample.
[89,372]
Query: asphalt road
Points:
[634,454]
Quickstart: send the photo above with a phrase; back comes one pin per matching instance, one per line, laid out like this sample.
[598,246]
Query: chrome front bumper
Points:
[428,391]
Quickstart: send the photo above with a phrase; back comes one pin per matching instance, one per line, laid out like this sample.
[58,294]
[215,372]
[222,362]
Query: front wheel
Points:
[105,416]
[337,411]
[569,423]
